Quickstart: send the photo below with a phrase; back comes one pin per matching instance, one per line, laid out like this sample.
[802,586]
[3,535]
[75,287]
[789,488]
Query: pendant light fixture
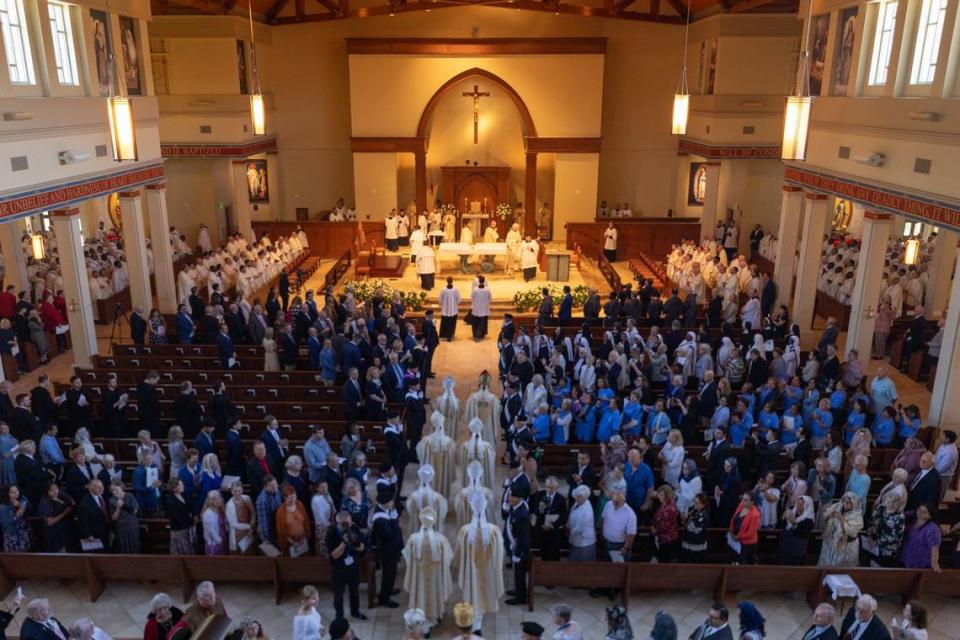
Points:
[36,244]
[796,115]
[911,251]
[123,132]
[258,110]
[681,100]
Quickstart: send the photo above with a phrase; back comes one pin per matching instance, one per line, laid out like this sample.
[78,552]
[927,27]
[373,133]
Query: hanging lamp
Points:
[796,115]
[681,100]
[123,132]
[258,110]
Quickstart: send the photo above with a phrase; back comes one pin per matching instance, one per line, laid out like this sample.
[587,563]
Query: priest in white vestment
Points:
[485,406]
[448,404]
[529,253]
[437,449]
[476,449]
[426,266]
[424,497]
[473,489]
[480,562]
[513,248]
[416,243]
[428,556]
[203,238]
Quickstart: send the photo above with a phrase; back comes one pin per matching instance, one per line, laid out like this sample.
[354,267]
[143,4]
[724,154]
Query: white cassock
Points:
[486,407]
[416,243]
[448,404]
[513,247]
[751,313]
[610,239]
[528,254]
[424,497]
[302,236]
[491,235]
[203,239]
[426,261]
[450,306]
[437,450]
[480,562]
[480,301]
[428,555]
[477,450]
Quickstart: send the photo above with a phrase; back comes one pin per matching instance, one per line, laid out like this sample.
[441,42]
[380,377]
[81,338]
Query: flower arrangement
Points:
[503,211]
[529,300]
[366,290]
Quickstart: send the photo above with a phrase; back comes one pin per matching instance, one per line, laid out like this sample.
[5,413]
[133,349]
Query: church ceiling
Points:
[295,11]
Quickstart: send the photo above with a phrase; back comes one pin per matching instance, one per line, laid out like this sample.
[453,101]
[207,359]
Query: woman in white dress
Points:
[672,456]
[271,361]
[307,624]
[690,485]
[581,527]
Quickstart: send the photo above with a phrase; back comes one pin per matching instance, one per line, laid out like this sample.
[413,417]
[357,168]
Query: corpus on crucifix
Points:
[476,94]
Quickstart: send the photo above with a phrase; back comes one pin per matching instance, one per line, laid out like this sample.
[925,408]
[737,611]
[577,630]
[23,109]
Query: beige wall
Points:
[376,184]
[190,196]
[575,190]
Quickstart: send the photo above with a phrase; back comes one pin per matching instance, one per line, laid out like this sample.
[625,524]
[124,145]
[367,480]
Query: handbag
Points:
[469,318]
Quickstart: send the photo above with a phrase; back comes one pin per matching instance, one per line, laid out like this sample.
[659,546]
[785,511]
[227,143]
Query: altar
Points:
[488,185]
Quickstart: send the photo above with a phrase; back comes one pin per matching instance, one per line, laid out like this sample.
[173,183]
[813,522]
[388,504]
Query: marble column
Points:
[135,250]
[808,267]
[76,286]
[785,265]
[163,275]
[711,201]
[867,282]
[945,413]
[14,261]
[242,209]
[939,270]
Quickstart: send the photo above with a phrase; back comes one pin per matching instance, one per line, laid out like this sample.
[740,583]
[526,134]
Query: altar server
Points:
[449,308]
[529,252]
[426,266]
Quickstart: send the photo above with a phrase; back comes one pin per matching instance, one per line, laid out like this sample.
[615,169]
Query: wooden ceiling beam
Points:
[747,5]
[331,6]
[205,6]
[620,5]
[679,7]
[299,9]
[275,10]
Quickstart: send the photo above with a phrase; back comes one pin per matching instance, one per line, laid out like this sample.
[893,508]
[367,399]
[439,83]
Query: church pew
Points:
[284,393]
[596,575]
[702,577]
[133,375]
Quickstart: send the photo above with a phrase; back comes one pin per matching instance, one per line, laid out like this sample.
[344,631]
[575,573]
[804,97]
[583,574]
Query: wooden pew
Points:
[596,575]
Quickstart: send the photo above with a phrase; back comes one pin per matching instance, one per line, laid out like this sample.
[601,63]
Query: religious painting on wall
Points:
[242,66]
[842,213]
[113,210]
[843,53]
[257,189]
[818,51]
[697,184]
[131,55]
[101,49]
[711,70]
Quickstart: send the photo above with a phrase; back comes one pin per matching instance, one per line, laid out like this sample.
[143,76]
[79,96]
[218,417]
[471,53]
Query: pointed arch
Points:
[529,129]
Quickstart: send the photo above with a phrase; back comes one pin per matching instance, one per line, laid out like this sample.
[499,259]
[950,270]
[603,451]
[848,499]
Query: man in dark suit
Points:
[431,340]
[717,452]
[236,460]
[828,337]
[862,623]
[915,338]
[40,624]
[148,403]
[707,397]
[332,476]
[225,348]
[32,477]
[284,284]
[768,295]
[314,347]
[545,312]
[550,519]
[925,488]
[211,326]
[716,626]
[79,412]
[396,445]
[258,468]
[187,412]
[288,348]
[715,309]
[197,305]
[655,309]
[42,402]
[138,326]
[257,327]
[517,538]
[353,395]
[591,306]
[565,314]
[581,473]
[185,325]
[204,442]
[394,384]
[822,627]
[23,424]
[235,324]
[92,514]
[277,448]
[757,369]
[673,308]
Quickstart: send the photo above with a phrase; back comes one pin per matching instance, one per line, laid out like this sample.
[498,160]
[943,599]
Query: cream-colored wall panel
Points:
[575,190]
[217,74]
[752,65]
[375,182]
[190,196]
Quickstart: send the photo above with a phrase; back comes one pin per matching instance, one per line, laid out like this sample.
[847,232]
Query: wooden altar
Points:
[465,184]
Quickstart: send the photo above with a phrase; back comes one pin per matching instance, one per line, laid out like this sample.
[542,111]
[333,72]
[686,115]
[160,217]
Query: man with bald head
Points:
[925,488]
[822,627]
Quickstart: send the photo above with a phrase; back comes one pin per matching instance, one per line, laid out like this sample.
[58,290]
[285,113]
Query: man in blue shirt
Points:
[315,453]
[328,364]
[883,392]
[50,453]
[639,479]
[313,349]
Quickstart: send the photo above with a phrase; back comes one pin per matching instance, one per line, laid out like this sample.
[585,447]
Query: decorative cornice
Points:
[811,195]
[879,216]
[729,152]
[474,46]
[65,213]
[241,150]
[130,194]
[878,197]
[386,144]
[59,196]
[562,145]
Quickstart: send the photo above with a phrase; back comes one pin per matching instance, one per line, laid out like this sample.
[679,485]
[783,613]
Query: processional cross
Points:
[476,94]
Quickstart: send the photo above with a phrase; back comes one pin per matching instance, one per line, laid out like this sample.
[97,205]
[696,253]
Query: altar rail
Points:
[720,580]
[98,569]
[654,236]
[327,239]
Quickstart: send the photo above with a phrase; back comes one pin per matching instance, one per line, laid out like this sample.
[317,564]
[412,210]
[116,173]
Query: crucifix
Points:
[476,94]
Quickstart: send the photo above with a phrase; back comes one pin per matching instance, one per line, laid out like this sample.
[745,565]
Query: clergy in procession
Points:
[392,230]
[450,226]
[476,449]
[203,239]
[610,242]
[479,553]
[428,556]
[448,404]
[463,618]
[417,239]
[517,536]
[424,497]
[449,308]
[491,235]
[466,237]
[403,230]
[529,253]
[473,489]
[485,406]
[480,299]
[426,266]
[513,248]
[387,539]
[437,450]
